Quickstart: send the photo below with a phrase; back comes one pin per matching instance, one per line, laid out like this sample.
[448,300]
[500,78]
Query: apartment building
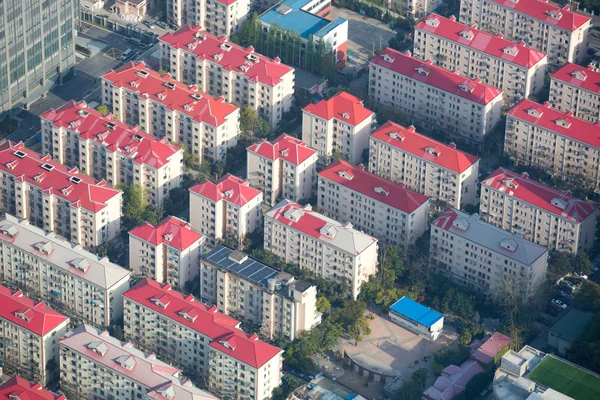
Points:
[246,288]
[167,252]
[435,98]
[513,67]
[339,125]
[51,269]
[325,247]
[417,9]
[576,89]
[18,388]
[555,142]
[230,208]
[557,31]
[164,107]
[437,170]
[222,68]
[218,17]
[485,258]
[374,205]
[29,332]
[283,169]
[546,216]
[38,49]
[196,337]
[57,198]
[106,148]
[95,365]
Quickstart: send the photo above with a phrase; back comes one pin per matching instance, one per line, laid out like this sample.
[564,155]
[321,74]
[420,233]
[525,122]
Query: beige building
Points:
[513,67]
[57,198]
[223,68]
[164,107]
[420,8]
[246,288]
[229,208]
[547,216]
[218,17]
[386,210]
[576,89]
[555,142]
[168,252]
[51,269]
[196,337]
[105,148]
[283,169]
[95,365]
[436,98]
[484,257]
[437,170]
[29,332]
[327,248]
[341,124]
[559,32]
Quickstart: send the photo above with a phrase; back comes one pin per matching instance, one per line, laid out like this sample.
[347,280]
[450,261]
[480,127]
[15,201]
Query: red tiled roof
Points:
[482,41]
[414,143]
[570,73]
[173,231]
[285,147]
[451,82]
[235,58]
[343,106]
[207,320]
[178,97]
[86,193]
[491,348]
[539,195]
[229,188]
[541,9]
[574,128]
[90,124]
[25,390]
[393,194]
[38,318]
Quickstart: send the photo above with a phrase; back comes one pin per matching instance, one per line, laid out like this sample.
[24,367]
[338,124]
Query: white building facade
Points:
[576,89]
[219,17]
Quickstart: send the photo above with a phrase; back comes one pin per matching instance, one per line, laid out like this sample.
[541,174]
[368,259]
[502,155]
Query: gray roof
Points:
[571,325]
[72,258]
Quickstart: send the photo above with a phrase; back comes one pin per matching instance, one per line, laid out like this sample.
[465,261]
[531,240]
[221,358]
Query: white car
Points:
[559,303]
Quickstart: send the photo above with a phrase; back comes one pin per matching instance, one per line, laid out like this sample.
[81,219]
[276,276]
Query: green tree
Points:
[102,109]
[588,297]
[558,265]
[582,264]
[337,155]
[323,304]
[476,385]
[134,202]
[358,329]
[188,158]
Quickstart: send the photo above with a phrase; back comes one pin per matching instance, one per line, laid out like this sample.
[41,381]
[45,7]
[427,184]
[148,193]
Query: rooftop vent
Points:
[111,125]
[137,137]
[555,14]
[329,231]
[511,50]
[167,391]
[398,136]
[196,96]
[535,112]
[467,87]
[170,85]
[580,75]
[47,167]
[226,46]
[143,74]
[127,362]
[387,58]
[83,113]
[9,230]
[345,115]
[161,301]
[467,34]
[75,180]
[380,190]
[346,175]
[565,123]
[25,314]
[422,71]
[253,57]
[461,223]
[80,263]
[433,22]
[188,107]
[161,96]
[20,154]
[44,247]
[559,203]
[293,214]
[509,244]
[98,347]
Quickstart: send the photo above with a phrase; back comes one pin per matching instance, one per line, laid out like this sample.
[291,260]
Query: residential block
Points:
[576,89]
[17,388]
[219,17]
[283,169]
[437,170]
[163,107]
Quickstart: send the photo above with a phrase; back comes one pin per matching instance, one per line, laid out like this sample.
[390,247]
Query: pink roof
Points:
[24,312]
[410,141]
[539,195]
[172,231]
[25,390]
[576,75]
[54,178]
[541,10]
[564,124]
[229,188]
[393,194]
[286,147]
[453,381]
[343,106]
[451,82]
[493,45]
[491,348]
[228,55]
[119,137]
[208,321]
[173,94]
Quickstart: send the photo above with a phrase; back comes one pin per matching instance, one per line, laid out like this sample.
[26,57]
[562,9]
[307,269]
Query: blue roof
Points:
[415,311]
[251,269]
[297,20]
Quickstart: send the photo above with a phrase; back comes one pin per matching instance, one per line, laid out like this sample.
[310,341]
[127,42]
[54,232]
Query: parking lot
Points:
[365,35]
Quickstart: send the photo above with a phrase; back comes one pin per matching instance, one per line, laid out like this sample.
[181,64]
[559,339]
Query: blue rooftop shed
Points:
[417,318]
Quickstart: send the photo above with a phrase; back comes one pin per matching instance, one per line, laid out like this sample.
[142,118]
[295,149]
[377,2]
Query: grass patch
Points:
[565,378]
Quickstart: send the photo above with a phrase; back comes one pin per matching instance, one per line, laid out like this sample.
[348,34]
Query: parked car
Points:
[542,320]
[575,281]
[564,299]
[561,292]
[559,303]
[553,310]
[162,24]
[568,286]
[149,24]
